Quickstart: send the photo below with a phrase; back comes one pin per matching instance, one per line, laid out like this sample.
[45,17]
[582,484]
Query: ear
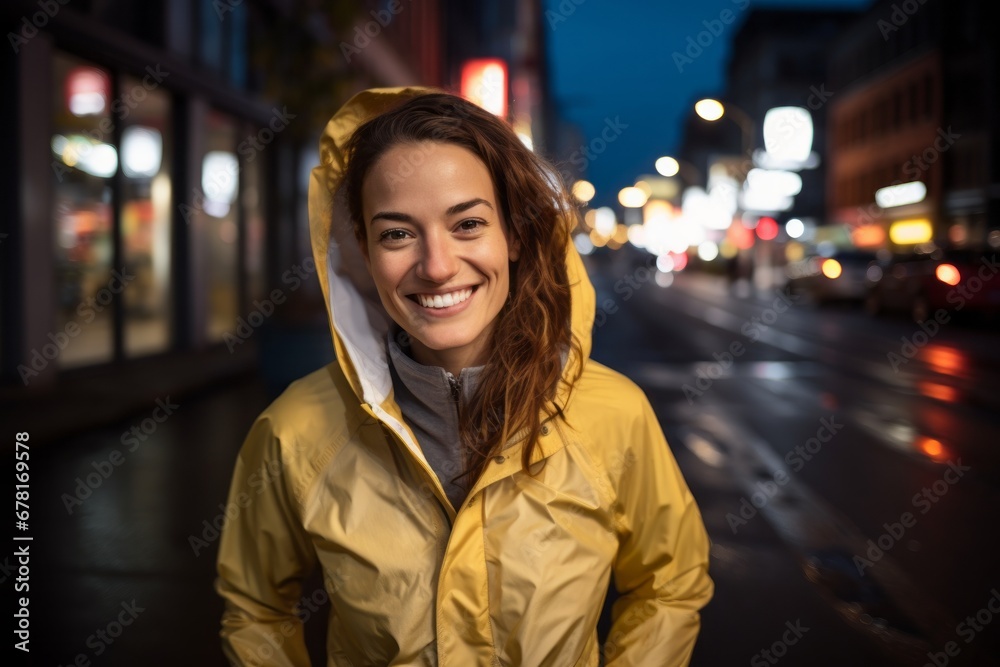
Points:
[514,250]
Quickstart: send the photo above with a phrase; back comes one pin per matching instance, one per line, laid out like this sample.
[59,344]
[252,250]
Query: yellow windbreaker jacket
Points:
[331,475]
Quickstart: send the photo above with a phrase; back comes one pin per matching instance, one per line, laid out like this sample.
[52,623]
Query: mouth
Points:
[446,301]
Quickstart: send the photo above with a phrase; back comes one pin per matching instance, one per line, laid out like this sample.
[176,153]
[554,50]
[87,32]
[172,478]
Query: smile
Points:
[444,300]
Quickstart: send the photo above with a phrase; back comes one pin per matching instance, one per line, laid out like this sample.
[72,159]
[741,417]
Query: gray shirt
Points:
[429,398]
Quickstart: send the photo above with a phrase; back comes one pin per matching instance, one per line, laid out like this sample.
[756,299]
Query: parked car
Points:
[957,280]
[842,276]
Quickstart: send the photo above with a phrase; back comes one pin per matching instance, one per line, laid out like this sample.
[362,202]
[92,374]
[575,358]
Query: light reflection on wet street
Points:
[846,466]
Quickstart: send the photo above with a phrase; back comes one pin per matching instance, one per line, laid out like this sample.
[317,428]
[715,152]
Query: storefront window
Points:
[146,144]
[220,185]
[84,163]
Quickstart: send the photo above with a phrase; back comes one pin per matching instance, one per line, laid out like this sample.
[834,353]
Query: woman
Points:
[465,476]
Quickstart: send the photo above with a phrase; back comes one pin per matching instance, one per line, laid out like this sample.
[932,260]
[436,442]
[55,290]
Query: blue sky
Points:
[613,60]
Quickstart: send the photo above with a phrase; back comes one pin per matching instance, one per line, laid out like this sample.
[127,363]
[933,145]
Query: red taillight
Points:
[948,274]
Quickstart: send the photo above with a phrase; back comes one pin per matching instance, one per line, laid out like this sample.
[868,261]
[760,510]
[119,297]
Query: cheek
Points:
[385,273]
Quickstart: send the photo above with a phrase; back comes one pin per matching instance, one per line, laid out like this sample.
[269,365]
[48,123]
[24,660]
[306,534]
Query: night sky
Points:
[612,65]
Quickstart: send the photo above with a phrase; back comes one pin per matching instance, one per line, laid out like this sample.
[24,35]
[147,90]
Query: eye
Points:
[391,235]
[470,225]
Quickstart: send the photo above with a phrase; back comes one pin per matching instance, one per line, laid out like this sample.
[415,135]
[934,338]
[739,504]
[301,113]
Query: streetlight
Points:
[584,191]
[670,166]
[632,197]
[712,110]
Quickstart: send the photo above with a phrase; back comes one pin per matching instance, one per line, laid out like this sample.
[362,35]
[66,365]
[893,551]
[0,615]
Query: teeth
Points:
[444,300]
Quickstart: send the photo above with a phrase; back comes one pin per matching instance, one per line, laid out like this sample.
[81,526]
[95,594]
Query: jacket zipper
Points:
[456,387]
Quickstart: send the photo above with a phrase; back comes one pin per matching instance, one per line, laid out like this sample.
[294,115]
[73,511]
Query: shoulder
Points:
[306,426]
[313,405]
[604,392]
[612,419]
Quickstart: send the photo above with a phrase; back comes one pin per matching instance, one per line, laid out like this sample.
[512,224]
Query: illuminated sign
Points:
[901,194]
[788,133]
[909,232]
[484,82]
[87,91]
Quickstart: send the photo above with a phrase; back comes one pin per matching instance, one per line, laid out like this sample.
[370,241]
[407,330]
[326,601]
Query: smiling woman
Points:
[436,245]
[468,480]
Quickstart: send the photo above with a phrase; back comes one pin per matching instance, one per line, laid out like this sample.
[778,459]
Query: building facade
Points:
[914,127]
[159,161]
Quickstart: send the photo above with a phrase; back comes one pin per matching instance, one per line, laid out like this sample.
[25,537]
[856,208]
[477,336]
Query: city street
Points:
[790,213]
[802,443]
[798,438]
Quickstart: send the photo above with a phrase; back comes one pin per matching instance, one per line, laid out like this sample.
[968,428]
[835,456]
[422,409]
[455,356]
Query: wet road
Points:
[806,432]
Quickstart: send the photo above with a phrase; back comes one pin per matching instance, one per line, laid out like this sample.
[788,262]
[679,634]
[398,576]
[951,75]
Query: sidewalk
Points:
[125,508]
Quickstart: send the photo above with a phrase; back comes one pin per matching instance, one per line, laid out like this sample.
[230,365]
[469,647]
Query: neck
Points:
[453,360]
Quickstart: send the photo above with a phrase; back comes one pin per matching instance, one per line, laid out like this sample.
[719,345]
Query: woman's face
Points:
[437,248]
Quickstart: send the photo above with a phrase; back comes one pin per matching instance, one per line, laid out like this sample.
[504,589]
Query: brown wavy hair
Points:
[533,330]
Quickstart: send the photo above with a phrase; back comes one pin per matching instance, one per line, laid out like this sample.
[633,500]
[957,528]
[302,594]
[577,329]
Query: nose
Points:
[438,260]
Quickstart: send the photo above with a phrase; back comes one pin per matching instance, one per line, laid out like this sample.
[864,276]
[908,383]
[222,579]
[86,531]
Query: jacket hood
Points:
[358,321]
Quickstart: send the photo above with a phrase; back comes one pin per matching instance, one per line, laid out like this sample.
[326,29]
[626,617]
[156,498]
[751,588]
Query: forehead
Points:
[426,174]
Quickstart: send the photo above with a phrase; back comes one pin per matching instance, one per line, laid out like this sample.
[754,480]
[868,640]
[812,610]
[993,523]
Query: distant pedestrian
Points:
[466,477]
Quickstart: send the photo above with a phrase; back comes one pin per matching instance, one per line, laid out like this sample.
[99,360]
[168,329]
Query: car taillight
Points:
[831,269]
[948,274]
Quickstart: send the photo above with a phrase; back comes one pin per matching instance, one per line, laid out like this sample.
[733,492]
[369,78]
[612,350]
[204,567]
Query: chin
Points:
[444,343]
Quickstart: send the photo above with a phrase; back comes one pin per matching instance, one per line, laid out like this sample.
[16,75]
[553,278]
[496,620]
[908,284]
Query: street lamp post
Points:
[670,166]
[712,110]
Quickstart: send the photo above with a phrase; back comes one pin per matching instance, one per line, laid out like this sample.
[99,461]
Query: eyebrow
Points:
[396,216]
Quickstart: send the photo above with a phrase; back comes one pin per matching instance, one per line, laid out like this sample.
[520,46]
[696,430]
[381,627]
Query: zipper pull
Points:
[456,387]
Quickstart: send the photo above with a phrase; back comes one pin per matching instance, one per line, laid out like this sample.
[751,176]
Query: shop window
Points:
[91,164]
[220,184]
[84,162]
[147,145]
